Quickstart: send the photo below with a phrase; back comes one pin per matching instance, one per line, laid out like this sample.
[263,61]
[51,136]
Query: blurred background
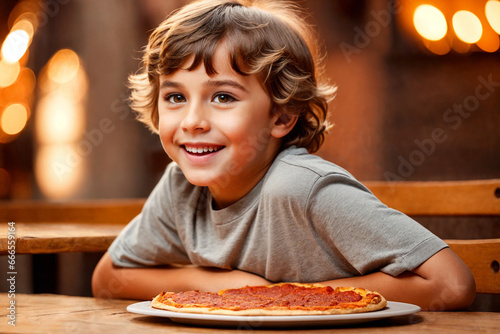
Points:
[418,99]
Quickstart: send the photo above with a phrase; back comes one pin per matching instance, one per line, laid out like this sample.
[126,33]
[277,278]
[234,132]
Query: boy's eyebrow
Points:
[167,83]
[209,83]
[218,83]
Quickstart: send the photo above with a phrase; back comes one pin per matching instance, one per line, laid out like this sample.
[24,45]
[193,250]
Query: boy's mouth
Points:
[202,150]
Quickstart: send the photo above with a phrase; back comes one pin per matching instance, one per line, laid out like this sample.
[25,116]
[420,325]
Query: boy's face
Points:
[219,129]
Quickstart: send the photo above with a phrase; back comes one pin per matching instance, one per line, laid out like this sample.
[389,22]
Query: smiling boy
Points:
[219,129]
[232,89]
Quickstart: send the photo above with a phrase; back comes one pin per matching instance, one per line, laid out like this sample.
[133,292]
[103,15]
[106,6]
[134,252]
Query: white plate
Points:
[392,309]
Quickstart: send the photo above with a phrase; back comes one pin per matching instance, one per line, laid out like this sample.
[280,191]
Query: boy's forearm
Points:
[443,282]
[406,287]
[110,281]
[136,283]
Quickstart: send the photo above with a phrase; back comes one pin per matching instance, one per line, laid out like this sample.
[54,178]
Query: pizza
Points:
[274,299]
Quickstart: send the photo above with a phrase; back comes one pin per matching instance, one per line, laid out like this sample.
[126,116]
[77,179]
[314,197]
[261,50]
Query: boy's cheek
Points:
[165,129]
[166,143]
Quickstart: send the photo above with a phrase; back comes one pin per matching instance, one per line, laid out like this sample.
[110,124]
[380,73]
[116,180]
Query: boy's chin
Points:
[201,180]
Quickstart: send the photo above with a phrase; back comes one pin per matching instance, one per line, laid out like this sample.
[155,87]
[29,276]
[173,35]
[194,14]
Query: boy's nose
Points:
[195,119]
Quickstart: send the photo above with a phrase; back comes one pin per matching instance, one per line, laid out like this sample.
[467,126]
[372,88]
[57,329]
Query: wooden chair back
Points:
[453,198]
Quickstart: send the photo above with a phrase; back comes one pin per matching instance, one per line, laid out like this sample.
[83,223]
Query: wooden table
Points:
[65,314]
[72,226]
[42,237]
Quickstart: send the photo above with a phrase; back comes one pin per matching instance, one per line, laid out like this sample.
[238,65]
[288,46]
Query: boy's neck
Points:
[236,187]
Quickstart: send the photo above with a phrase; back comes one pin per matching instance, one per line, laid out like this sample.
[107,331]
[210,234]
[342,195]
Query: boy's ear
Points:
[283,125]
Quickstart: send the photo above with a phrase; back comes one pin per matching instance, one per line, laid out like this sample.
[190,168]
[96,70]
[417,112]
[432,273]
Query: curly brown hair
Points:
[267,38]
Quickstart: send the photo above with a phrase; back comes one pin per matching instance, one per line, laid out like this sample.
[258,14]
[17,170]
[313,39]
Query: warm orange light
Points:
[26,25]
[15,45]
[14,118]
[491,44]
[21,90]
[430,22]
[8,73]
[27,21]
[63,66]
[467,26]
[76,88]
[440,47]
[460,47]
[59,119]
[492,11]
[60,124]
[59,171]
[26,10]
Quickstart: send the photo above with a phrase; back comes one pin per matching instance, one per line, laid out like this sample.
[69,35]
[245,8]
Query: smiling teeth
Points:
[202,149]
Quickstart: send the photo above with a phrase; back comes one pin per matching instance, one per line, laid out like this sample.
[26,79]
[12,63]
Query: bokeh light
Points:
[8,73]
[430,22]
[25,10]
[60,124]
[25,25]
[63,66]
[14,118]
[492,11]
[76,88]
[59,119]
[22,90]
[15,46]
[489,42]
[57,173]
[440,47]
[467,26]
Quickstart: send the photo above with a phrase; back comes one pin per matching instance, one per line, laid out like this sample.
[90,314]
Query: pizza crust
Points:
[366,304]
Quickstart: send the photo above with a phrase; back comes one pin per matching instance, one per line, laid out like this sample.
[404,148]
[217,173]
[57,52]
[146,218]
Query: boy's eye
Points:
[223,98]
[175,98]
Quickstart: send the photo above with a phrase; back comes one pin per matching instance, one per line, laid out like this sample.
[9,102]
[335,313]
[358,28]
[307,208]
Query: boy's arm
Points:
[443,282]
[110,281]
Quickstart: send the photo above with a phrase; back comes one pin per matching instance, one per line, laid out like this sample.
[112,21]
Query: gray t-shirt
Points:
[307,220]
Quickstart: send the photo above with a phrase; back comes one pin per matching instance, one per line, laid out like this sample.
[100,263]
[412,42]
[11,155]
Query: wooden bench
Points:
[91,226]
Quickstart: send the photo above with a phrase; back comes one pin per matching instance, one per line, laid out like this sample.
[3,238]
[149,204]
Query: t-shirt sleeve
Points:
[151,238]
[369,235]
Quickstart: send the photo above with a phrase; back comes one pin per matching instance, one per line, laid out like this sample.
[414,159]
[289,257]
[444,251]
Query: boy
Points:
[231,88]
